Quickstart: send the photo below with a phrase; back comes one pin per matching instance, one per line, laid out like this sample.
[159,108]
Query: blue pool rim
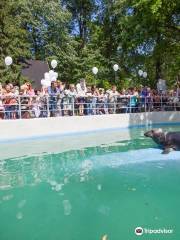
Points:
[45,137]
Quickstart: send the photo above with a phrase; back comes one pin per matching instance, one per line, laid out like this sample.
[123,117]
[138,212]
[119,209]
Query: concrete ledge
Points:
[44,127]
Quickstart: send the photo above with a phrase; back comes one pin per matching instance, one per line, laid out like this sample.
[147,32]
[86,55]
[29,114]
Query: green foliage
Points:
[149,36]
[81,34]
[13,39]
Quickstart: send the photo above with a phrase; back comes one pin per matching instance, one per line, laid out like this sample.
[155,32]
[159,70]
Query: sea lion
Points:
[167,140]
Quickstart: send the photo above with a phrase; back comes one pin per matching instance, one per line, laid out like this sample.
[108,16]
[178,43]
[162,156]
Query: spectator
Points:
[133,101]
[52,91]
[94,99]
[60,86]
[1,102]
[61,98]
[30,90]
[143,95]
[10,103]
[57,100]
[149,100]
[156,100]
[81,94]
[102,102]
[69,100]
[123,101]
[44,98]
[112,99]
[88,101]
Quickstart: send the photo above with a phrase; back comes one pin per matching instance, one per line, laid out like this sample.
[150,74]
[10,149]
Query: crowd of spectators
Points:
[80,99]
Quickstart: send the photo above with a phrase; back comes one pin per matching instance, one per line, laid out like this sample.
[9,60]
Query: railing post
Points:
[62,106]
[161,101]
[145,102]
[19,103]
[73,106]
[114,107]
[48,112]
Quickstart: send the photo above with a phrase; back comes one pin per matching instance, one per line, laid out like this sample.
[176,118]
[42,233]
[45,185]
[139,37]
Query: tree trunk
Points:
[158,62]
[158,69]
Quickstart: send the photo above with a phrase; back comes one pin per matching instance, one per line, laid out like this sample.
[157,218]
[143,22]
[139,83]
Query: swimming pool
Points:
[83,187]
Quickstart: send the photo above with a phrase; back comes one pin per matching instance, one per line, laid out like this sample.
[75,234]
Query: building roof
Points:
[34,70]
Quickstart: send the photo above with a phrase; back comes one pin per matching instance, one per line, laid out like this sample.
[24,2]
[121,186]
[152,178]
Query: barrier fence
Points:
[25,106]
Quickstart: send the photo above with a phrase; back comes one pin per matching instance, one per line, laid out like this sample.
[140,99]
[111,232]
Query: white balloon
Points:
[47,83]
[47,76]
[53,64]
[140,72]
[95,70]
[56,74]
[42,82]
[145,74]
[8,61]
[51,74]
[53,79]
[116,67]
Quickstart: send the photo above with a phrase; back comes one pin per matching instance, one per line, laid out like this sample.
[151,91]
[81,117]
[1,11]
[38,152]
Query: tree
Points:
[81,34]
[82,13]
[149,33]
[13,39]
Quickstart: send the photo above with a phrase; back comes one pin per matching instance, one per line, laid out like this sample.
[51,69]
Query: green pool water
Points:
[84,187]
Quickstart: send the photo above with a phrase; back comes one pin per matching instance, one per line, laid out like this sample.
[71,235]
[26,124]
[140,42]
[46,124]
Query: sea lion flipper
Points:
[167,150]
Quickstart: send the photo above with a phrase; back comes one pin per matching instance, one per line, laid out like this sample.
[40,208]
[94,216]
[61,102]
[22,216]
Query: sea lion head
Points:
[157,135]
[153,133]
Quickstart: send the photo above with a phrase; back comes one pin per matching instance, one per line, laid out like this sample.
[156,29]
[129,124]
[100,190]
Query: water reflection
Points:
[57,169]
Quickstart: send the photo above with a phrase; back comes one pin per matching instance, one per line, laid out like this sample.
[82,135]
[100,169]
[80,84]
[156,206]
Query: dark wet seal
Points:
[168,141]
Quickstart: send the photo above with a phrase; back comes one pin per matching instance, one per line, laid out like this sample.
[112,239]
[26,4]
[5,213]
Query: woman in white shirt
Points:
[81,94]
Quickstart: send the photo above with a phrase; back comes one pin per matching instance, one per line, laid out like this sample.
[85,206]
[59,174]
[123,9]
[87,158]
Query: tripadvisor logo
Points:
[139,231]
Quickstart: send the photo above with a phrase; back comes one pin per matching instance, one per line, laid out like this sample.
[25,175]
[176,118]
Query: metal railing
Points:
[43,106]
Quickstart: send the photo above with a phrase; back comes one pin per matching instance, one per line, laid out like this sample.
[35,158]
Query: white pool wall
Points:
[43,127]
